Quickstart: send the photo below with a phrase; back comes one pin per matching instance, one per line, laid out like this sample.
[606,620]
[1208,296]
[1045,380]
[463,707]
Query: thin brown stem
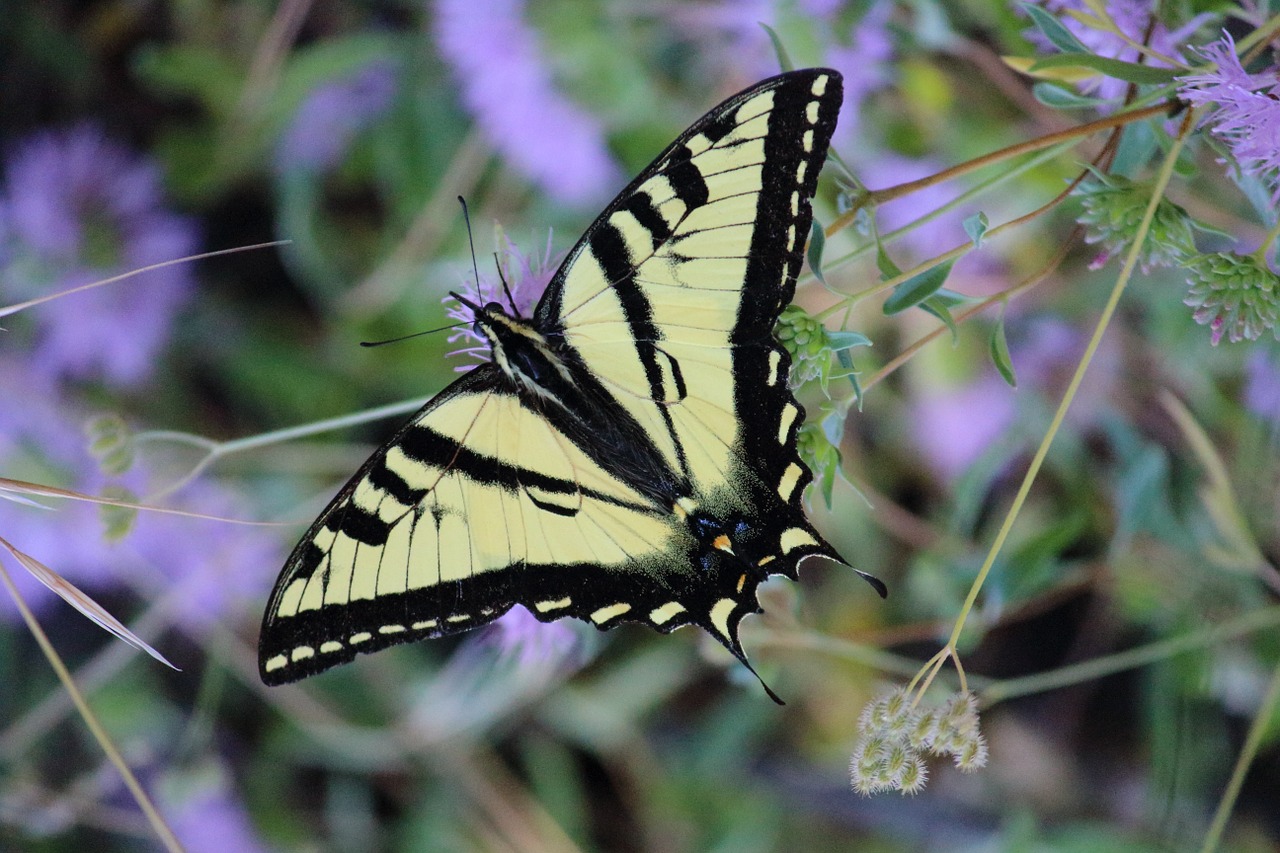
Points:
[1029,146]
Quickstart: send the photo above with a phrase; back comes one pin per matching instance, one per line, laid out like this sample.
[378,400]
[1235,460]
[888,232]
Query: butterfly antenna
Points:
[511,300]
[475,269]
[414,335]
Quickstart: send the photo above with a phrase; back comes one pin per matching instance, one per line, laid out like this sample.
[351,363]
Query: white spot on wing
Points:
[302,653]
[720,616]
[604,614]
[277,662]
[662,615]
[789,413]
[795,537]
[790,477]
[544,606]
[775,360]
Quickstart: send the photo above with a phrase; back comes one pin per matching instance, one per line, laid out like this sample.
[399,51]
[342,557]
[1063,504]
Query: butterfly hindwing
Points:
[423,540]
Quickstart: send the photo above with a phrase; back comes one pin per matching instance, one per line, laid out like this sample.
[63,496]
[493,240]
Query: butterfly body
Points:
[629,452]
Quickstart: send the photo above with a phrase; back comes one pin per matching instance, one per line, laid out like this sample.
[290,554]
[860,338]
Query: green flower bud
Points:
[1113,207]
[1234,295]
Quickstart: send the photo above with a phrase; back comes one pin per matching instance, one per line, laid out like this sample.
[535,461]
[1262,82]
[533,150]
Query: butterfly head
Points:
[522,352]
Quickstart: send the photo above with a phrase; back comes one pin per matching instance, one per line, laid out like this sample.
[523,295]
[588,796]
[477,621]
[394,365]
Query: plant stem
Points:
[158,825]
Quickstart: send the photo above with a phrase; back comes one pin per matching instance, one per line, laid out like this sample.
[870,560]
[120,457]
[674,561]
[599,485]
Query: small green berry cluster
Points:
[895,733]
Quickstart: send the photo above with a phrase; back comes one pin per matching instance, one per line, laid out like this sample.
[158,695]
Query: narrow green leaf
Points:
[847,340]
[887,267]
[938,308]
[950,298]
[846,361]
[916,289]
[976,226]
[1061,37]
[784,60]
[817,242]
[1000,354]
[1130,72]
[1053,95]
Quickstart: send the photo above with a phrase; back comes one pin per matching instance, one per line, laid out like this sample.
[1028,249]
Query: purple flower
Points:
[331,116]
[864,62]
[1132,17]
[230,569]
[209,818]
[508,88]
[1262,385]
[889,169]
[527,277]
[81,208]
[1246,114]
[954,426]
[532,643]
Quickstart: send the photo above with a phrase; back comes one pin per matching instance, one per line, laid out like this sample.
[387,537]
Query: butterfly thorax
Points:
[525,355]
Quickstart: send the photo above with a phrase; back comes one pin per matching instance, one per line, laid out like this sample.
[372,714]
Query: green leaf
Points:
[938,308]
[817,242]
[950,298]
[1053,95]
[784,60]
[976,226]
[887,267]
[917,289]
[846,361]
[1000,354]
[847,340]
[1130,72]
[1061,37]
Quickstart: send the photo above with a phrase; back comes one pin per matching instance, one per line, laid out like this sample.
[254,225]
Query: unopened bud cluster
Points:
[805,340]
[1234,295]
[1113,208]
[896,734]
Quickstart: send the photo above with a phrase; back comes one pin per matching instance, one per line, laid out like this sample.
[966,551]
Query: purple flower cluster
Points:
[1246,110]
[864,62]
[78,208]
[507,87]
[1133,18]
[527,276]
[332,115]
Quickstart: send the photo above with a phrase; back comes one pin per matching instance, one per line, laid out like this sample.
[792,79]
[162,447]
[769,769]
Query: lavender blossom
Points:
[508,88]
[209,818]
[1132,17]
[1246,112]
[332,115]
[527,277]
[1262,384]
[531,642]
[231,571]
[864,62]
[80,208]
